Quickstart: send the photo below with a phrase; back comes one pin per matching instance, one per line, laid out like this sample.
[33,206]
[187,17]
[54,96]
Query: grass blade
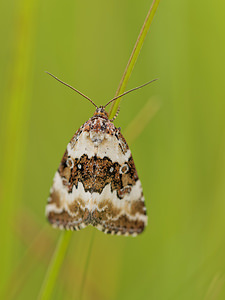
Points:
[55,265]
[134,56]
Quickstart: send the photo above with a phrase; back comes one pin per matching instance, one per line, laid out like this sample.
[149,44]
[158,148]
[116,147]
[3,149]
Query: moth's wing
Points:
[63,209]
[67,206]
[118,201]
[97,184]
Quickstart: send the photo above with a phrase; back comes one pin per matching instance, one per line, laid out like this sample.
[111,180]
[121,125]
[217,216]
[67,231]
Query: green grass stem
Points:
[55,265]
[134,56]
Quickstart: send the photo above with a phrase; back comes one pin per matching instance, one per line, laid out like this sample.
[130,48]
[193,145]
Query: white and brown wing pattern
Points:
[97,182]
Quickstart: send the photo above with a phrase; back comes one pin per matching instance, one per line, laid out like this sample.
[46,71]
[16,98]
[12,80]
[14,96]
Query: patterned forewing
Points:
[97,183]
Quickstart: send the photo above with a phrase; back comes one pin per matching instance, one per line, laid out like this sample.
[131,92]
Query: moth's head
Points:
[100,112]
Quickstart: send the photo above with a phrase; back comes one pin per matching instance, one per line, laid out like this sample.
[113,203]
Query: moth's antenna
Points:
[72,88]
[130,91]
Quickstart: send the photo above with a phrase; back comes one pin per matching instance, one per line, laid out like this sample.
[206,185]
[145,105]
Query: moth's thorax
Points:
[99,127]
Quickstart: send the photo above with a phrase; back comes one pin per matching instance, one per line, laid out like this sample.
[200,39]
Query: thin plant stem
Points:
[58,257]
[86,266]
[55,265]
[134,56]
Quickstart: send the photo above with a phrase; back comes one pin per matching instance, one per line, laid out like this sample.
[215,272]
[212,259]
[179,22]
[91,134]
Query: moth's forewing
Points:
[97,183]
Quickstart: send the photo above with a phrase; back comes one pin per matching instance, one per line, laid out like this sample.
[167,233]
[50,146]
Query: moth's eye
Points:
[70,163]
[79,166]
[124,169]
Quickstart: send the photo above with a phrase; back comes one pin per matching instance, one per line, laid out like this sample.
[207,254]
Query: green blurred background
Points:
[179,155]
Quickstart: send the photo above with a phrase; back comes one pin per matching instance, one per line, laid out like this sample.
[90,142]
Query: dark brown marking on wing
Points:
[122,224]
[95,173]
[119,224]
[66,220]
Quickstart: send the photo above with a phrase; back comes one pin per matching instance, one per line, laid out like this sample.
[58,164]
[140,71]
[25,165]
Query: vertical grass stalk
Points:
[134,56]
[55,265]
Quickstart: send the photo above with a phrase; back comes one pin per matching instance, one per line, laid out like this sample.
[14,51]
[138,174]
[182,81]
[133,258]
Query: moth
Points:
[97,183]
